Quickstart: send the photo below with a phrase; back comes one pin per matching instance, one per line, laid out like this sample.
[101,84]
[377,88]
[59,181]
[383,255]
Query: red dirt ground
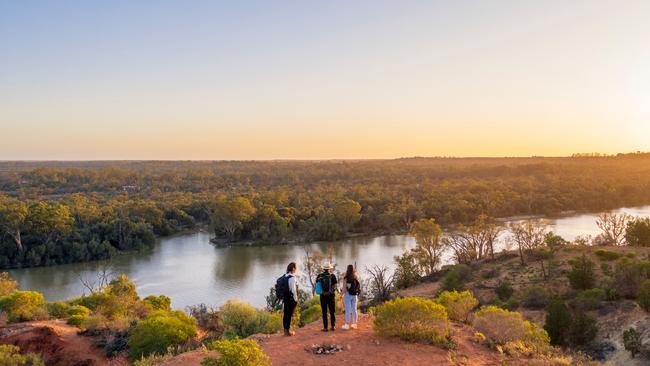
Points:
[58,343]
[363,347]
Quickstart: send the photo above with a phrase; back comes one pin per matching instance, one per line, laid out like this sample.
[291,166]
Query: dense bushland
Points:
[53,213]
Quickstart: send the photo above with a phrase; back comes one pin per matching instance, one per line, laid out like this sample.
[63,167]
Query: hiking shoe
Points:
[345,327]
[332,329]
[353,326]
[289,333]
[324,330]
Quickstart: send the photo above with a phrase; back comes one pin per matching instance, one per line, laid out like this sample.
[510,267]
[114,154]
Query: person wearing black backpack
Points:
[352,289]
[327,282]
[285,289]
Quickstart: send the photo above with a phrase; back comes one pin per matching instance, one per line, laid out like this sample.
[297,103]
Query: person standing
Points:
[352,289]
[327,282]
[285,288]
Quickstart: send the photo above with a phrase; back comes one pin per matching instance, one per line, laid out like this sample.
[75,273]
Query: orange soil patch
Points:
[58,343]
[363,347]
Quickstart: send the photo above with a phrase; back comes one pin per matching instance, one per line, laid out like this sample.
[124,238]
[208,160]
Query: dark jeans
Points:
[327,302]
[289,307]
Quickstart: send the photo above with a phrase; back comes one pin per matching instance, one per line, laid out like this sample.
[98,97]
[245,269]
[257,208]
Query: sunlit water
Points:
[191,270]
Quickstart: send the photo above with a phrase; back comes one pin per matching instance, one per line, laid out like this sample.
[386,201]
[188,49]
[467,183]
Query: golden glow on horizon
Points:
[381,81]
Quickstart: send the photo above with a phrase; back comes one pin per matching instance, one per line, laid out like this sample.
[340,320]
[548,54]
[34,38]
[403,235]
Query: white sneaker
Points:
[345,327]
[353,326]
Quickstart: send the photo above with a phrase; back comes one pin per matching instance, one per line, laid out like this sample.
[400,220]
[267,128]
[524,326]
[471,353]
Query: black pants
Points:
[289,307]
[327,303]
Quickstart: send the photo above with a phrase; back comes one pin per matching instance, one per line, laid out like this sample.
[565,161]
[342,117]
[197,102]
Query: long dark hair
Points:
[350,273]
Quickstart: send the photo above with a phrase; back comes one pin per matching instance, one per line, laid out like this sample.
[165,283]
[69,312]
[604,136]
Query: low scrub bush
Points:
[58,309]
[590,299]
[607,255]
[78,310]
[242,320]
[629,275]
[582,275]
[535,297]
[455,279]
[412,319]
[23,306]
[458,304]
[10,356]
[310,315]
[504,290]
[78,320]
[208,318]
[160,331]
[582,330]
[643,297]
[502,327]
[161,302]
[237,352]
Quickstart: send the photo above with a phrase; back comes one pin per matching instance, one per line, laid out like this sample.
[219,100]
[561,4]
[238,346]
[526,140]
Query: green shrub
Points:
[643,297]
[504,290]
[237,352]
[535,297]
[310,315]
[637,232]
[629,275]
[58,309]
[632,341]
[7,285]
[502,327]
[590,299]
[242,320]
[78,310]
[582,275]
[412,319]
[10,356]
[511,304]
[160,331]
[607,255]
[23,306]
[455,279]
[557,321]
[407,272]
[77,320]
[458,304]
[161,302]
[582,330]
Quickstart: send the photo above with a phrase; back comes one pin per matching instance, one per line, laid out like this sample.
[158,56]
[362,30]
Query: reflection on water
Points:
[190,270]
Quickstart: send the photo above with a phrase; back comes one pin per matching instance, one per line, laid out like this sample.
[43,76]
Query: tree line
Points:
[61,212]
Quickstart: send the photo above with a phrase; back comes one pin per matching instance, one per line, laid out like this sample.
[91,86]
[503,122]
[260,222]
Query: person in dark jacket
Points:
[290,299]
[327,281]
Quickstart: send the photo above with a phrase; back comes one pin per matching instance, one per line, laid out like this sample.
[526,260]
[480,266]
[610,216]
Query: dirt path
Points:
[58,343]
[363,347]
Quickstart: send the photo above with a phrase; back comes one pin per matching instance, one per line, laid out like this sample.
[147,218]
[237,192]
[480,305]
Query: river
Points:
[190,270]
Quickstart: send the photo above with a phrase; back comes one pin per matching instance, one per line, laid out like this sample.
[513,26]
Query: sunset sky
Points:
[322,79]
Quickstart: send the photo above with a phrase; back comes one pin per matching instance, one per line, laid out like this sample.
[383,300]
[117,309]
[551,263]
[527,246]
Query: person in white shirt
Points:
[289,298]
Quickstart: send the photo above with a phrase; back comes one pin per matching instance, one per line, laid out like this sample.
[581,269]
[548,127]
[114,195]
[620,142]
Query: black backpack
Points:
[282,287]
[355,287]
[326,283]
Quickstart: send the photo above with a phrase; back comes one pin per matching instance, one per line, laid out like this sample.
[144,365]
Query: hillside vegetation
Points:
[61,212]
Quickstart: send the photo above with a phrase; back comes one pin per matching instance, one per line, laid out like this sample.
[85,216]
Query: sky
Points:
[204,80]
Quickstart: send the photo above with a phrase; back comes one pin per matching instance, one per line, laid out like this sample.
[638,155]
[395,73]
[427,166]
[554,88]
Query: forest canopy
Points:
[61,212]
